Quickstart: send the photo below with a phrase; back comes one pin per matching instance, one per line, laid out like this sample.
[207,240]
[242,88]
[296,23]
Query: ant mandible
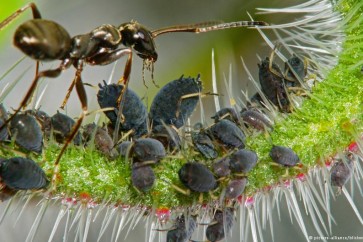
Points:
[46,40]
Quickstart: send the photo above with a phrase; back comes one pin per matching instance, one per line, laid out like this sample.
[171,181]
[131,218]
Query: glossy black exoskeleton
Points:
[142,177]
[243,161]
[62,127]
[204,144]
[27,132]
[227,134]
[4,134]
[272,85]
[284,156]
[148,150]
[22,174]
[100,138]
[227,113]
[197,177]
[168,136]
[221,225]
[175,102]
[256,120]
[235,188]
[46,40]
[134,116]
[341,172]
[183,230]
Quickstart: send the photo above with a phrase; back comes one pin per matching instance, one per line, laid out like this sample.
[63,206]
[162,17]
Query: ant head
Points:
[140,39]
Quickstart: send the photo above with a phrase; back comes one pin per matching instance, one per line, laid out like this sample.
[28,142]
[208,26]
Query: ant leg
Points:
[83,99]
[70,89]
[47,73]
[8,20]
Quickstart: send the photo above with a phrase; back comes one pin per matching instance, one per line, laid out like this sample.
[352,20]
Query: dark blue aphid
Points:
[204,145]
[43,119]
[183,230]
[147,149]
[227,134]
[272,85]
[235,188]
[168,136]
[171,104]
[341,172]
[222,224]
[284,156]
[243,161]
[124,148]
[27,133]
[62,127]
[22,174]
[134,111]
[4,135]
[299,68]
[227,113]
[142,177]
[197,177]
[256,120]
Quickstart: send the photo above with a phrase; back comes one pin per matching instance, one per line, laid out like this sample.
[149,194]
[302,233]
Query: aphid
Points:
[124,147]
[27,132]
[235,188]
[204,144]
[197,177]
[299,68]
[134,116]
[46,40]
[221,167]
[4,135]
[341,172]
[22,174]
[272,85]
[222,224]
[256,120]
[100,137]
[183,230]
[175,102]
[148,150]
[62,127]
[227,113]
[43,119]
[284,156]
[243,161]
[168,136]
[228,134]
[142,177]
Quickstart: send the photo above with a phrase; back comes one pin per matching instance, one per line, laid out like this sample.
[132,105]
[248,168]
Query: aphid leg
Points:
[83,99]
[186,97]
[8,20]
[271,61]
[52,73]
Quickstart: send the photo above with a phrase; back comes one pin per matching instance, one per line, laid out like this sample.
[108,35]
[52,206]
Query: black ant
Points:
[46,40]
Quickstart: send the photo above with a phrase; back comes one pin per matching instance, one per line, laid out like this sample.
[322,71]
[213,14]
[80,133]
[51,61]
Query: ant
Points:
[46,40]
